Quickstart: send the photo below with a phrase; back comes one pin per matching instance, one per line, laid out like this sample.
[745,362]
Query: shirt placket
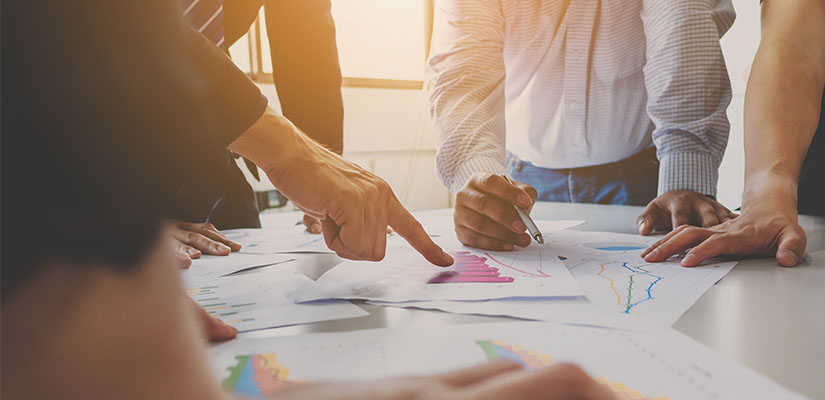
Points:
[576,72]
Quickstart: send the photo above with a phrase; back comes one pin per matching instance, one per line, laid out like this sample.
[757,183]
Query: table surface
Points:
[769,318]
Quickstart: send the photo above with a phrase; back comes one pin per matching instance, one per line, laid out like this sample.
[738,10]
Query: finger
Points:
[531,191]
[715,245]
[708,215]
[724,213]
[661,241]
[184,261]
[471,238]
[792,243]
[492,207]
[215,329]
[189,251]
[478,373]
[560,381]
[201,242]
[407,227]
[651,219]
[501,187]
[487,227]
[313,224]
[686,238]
[212,233]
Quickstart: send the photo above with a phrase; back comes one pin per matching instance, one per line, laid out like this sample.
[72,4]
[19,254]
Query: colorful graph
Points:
[257,375]
[615,246]
[640,278]
[470,268]
[532,360]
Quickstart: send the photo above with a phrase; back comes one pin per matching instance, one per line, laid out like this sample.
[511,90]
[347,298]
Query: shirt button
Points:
[573,105]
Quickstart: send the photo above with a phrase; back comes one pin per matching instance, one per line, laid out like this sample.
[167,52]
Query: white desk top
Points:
[769,318]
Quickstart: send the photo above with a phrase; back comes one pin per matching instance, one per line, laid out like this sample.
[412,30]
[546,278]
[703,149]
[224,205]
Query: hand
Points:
[354,206]
[495,380]
[768,225]
[194,239]
[484,214]
[681,207]
[215,329]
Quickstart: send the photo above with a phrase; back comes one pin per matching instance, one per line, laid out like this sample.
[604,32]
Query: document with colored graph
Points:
[405,275]
[635,365]
[622,290]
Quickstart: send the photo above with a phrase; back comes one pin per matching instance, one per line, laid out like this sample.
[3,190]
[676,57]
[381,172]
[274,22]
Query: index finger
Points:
[407,227]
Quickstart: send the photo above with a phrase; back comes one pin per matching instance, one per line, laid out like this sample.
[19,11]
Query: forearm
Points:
[274,143]
[783,98]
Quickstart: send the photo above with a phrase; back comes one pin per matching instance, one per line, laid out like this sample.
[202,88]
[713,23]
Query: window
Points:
[381,43]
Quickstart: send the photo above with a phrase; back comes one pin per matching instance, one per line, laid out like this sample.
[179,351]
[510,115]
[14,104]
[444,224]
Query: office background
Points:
[382,47]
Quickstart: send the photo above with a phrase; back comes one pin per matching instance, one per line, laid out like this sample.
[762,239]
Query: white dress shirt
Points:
[576,83]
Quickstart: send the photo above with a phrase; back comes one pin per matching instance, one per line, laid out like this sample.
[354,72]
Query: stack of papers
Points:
[638,365]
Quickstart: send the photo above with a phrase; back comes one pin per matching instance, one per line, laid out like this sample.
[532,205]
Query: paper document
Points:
[405,275]
[637,365]
[264,300]
[619,285]
[215,266]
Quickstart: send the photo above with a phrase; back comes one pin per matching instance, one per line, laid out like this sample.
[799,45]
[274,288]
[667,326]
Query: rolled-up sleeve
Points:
[688,89]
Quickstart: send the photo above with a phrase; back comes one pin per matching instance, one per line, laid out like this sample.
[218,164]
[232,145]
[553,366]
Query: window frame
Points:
[257,74]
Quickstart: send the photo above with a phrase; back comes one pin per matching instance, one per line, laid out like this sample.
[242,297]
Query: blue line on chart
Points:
[649,295]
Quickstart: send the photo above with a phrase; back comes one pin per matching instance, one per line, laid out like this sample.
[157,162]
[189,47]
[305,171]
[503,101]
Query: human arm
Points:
[688,95]
[354,205]
[782,106]
[467,108]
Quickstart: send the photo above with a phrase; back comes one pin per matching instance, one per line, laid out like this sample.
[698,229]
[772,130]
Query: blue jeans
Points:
[632,181]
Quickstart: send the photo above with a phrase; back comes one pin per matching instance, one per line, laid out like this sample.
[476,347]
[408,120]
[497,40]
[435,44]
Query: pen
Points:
[525,217]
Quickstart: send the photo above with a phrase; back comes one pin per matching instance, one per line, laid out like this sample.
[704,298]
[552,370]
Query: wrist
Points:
[273,143]
[776,189]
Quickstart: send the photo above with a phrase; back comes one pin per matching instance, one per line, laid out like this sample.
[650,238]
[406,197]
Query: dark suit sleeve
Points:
[306,71]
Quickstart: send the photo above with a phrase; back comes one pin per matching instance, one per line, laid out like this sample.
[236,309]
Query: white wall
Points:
[739,46]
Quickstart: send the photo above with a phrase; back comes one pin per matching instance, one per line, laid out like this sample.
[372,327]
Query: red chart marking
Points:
[470,268]
[538,273]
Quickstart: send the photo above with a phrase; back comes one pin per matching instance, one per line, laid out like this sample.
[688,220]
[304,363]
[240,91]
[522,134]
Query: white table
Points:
[769,318]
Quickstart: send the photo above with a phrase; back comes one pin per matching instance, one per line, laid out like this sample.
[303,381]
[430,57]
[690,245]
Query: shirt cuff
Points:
[698,172]
[484,164]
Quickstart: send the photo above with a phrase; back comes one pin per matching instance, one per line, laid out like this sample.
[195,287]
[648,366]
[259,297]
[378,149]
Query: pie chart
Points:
[616,246]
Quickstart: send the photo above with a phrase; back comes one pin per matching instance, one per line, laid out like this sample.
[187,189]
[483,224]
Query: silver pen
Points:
[525,217]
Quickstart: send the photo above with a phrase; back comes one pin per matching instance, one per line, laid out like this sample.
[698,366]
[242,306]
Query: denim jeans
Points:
[632,181]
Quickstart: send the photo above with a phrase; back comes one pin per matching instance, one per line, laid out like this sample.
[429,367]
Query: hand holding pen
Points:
[485,216]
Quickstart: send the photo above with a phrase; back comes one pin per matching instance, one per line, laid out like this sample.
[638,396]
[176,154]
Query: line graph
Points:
[627,302]
[538,274]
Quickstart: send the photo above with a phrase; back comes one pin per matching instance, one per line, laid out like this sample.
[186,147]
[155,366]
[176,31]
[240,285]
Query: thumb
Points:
[792,243]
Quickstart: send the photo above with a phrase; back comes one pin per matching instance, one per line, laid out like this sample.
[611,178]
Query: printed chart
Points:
[638,365]
[257,375]
[622,290]
[263,300]
[535,271]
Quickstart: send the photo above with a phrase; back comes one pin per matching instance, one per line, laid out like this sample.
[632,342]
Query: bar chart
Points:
[470,268]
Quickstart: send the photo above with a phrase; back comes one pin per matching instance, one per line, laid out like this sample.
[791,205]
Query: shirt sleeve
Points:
[688,90]
[467,73]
